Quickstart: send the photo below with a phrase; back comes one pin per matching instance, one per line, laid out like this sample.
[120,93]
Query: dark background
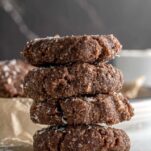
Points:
[22,20]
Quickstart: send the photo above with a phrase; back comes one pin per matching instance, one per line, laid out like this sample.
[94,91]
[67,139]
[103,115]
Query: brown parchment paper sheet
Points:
[16,128]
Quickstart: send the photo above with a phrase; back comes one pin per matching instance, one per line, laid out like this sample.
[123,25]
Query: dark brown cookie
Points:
[12,74]
[110,109]
[71,49]
[74,80]
[81,138]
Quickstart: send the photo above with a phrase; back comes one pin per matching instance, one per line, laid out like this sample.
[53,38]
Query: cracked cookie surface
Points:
[109,109]
[73,80]
[71,49]
[81,138]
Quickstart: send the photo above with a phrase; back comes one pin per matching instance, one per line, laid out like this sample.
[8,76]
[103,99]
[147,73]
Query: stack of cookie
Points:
[75,91]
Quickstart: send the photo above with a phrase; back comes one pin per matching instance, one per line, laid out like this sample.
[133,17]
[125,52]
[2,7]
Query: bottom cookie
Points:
[81,138]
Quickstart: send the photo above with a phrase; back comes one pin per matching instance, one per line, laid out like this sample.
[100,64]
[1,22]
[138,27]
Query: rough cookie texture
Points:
[12,74]
[74,80]
[71,49]
[81,138]
[109,109]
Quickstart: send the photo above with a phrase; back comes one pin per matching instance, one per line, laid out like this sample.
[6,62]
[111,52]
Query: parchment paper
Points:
[16,128]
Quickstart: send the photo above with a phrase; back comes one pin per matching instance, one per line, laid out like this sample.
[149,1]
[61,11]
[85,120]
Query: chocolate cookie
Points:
[74,80]
[81,138]
[12,74]
[110,109]
[71,49]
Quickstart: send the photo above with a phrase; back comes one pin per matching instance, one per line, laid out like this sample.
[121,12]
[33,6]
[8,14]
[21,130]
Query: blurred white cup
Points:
[134,64]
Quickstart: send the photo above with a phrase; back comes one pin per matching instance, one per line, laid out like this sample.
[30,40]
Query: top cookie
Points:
[71,49]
